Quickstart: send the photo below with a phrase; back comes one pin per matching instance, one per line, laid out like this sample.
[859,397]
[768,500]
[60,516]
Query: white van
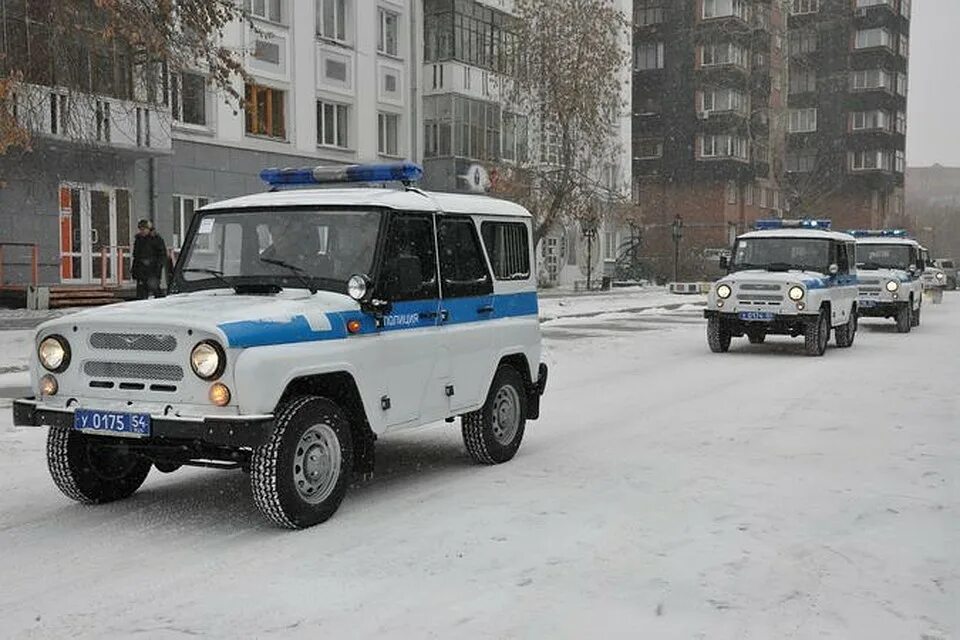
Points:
[303,324]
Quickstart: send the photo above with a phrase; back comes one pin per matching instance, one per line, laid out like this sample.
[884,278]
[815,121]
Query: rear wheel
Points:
[816,335]
[91,472]
[717,336]
[904,318]
[493,434]
[846,334]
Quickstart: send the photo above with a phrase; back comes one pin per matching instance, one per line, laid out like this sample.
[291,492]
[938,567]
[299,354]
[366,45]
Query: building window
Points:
[183,210]
[871,38]
[724,146]
[470,32]
[647,12]
[723,9]
[905,8]
[388,134]
[271,10]
[870,79]
[732,190]
[462,127]
[901,126]
[265,111]
[332,19]
[875,3]
[900,162]
[649,148]
[188,98]
[59,112]
[103,121]
[798,7]
[332,124]
[648,55]
[870,120]
[716,99]
[904,46]
[721,54]
[902,84]
[649,105]
[387,31]
[803,80]
[870,160]
[803,41]
[515,143]
[803,120]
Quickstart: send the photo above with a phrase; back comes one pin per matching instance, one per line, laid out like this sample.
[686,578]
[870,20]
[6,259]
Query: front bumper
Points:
[879,308]
[232,431]
[785,324]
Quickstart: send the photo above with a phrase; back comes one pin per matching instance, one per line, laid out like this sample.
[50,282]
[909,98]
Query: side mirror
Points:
[725,263]
[834,269]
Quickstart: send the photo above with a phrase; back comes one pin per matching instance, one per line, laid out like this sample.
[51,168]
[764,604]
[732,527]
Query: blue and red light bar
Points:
[777,223]
[405,172]
[879,233]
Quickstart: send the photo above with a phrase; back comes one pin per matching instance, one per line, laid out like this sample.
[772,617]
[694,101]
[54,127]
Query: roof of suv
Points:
[396,199]
[888,240]
[798,233]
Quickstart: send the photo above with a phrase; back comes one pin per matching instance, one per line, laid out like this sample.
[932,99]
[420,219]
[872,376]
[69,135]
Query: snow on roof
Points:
[799,233]
[396,199]
[887,240]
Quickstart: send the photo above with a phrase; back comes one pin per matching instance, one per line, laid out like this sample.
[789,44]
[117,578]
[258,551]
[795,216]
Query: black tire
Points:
[306,426]
[756,336]
[816,335]
[846,334]
[915,319]
[717,337]
[493,434]
[904,318]
[88,471]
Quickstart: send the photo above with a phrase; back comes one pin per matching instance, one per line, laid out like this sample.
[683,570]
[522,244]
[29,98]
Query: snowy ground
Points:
[666,493]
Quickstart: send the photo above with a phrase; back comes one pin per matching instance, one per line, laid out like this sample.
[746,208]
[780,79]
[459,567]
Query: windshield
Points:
[782,254]
[283,248]
[883,256]
[947,264]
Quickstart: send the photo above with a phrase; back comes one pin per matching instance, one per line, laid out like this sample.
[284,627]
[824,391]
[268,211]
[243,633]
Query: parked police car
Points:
[788,277]
[890,265]
[933,278]
[304,323]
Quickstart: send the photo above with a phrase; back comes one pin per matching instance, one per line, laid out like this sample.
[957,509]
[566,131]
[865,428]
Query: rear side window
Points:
[462,265]
[948,264]
[508,249]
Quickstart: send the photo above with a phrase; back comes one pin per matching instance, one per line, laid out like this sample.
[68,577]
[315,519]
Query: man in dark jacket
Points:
[149,258]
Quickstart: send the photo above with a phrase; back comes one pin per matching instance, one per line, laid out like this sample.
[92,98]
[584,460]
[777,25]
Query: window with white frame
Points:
[723,53]
[798,7]
[102,117]
[648,55]
[649,148]
[803,41]
[724,8]
[515,137]
[901,126]
[870,79]
[802,80]
[183,210]
[801,161]
[722,99]
[803,120]
[333,122]
[388,134]
[388,29]
[724,146]
[271,10]
[332,19]
[59,112]
[871,38]
[870,120]
[902,84]
[872,160]
[900,162]
[905,8]
[647,12]
[188,98]
[732,191]
[873,3]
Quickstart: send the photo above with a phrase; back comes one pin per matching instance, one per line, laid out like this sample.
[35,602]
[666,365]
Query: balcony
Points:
[57,114]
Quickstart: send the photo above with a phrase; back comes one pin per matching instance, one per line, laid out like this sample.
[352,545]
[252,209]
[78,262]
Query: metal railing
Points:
[34,261]
[105,252]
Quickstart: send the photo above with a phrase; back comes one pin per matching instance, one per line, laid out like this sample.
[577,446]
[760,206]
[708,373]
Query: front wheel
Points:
[846,334]
[904,318]
[300,475]
[493,434]
[816,335]
[717,336]
[90,471]
[915,320]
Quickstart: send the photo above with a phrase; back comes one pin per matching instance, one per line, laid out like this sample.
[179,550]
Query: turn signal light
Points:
[354,326]
[220,394]
[48,385]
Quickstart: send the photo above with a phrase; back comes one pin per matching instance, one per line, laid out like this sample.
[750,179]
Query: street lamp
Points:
[676,230]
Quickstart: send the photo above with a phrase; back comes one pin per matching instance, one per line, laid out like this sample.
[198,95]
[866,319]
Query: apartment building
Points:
[708,100]
[848,98]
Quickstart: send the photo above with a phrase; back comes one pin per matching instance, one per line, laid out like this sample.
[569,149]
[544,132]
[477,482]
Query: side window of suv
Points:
[462,264]
[409,270]
[843,259]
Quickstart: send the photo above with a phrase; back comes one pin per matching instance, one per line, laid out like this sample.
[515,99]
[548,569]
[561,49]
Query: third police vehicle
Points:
[304,324]
[934,279]
[788,277]
[890,267]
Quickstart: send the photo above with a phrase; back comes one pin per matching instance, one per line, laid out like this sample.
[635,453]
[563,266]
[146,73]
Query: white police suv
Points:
[890,267]
[788,277]
[934,278]
[303,324]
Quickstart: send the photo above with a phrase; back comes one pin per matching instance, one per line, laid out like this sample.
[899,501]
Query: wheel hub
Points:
[316,463]
[506,415]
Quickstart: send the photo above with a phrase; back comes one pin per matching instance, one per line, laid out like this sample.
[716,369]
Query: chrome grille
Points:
[869,290]
[132,370]
[869,281]
[133,342]
[761,298]
[760,287]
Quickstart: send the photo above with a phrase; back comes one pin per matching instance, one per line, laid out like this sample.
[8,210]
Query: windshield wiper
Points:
[212,272]
[780,266]
[301,274]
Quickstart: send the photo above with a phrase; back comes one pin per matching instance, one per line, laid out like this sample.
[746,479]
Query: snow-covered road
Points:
[667,492]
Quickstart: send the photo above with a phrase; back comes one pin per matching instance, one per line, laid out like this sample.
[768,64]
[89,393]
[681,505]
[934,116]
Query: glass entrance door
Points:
[95,238]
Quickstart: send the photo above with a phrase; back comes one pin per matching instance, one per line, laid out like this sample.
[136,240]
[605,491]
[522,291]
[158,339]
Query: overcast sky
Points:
[933,128]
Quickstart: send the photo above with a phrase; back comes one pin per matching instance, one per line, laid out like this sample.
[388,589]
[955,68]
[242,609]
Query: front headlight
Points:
[208,360]
[939,276]
[724,291]
[892,286]
[54,353]
[796,293]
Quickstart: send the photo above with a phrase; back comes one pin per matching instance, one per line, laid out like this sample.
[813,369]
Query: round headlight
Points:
[796,293]
[892,286]
[357,287]
[208,360]
[54,353]
[939,276]
[724,291]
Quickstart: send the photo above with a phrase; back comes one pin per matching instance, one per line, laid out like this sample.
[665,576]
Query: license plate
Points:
[756,316]
[122,424]
[868,303]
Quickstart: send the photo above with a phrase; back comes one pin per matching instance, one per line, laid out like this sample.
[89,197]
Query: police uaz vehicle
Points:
[303,324]
[787,277]
[890,269]
[934,278]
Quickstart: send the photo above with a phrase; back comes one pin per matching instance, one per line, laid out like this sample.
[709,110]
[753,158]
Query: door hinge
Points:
[385,403]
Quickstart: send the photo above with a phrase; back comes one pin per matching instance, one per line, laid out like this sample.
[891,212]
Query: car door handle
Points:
[487,308]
